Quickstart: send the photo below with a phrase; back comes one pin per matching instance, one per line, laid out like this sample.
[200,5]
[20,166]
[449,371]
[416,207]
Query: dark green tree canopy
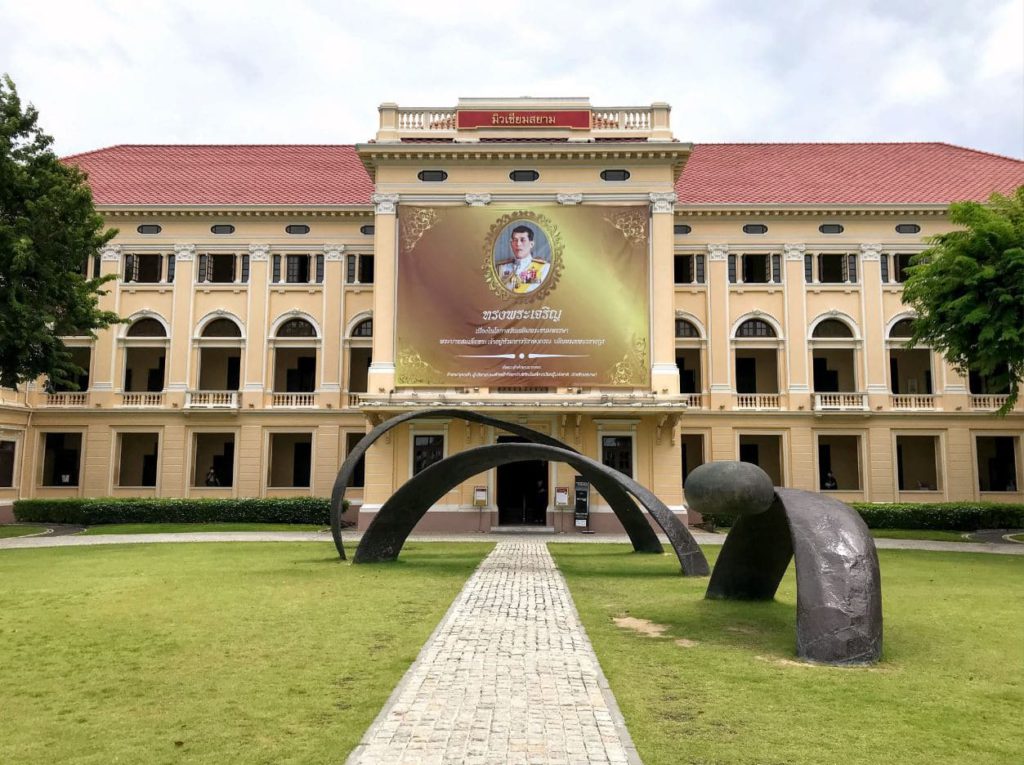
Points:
[48,229]
[968,291]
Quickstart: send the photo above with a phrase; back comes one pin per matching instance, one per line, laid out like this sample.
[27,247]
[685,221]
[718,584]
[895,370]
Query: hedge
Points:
[95,511]
[940,516]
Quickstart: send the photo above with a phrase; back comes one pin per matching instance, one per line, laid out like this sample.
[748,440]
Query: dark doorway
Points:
[522,490]
[746,375]
[825,380]
[302,460]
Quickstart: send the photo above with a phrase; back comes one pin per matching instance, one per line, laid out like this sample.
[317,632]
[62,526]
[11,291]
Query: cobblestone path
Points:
[509,676]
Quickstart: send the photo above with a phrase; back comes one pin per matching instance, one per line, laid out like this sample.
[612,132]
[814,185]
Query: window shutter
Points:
[885,269]
[700,269]
[319,269]
[350,269]
[732,269]
[170,268]
[808,268]
[845,270]
[276,276]
[209,269]
[851,269]
[129,268]
[777,269]
[201,272]
[245,269]
[96,265]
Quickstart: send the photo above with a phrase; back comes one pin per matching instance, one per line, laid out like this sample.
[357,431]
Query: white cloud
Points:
[315,70]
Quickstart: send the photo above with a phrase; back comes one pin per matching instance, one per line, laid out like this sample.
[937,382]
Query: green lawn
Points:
[949,689]
[209,653]
[1017,537]
[6,532]
[178,528]
[932,536]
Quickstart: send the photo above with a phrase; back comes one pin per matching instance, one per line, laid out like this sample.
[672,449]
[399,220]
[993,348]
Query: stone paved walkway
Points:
[509,676]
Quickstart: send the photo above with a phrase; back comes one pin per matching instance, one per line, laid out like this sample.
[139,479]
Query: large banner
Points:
[542,296]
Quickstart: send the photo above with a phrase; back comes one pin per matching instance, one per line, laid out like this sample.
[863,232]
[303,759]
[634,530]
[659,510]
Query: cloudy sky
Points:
[311,71]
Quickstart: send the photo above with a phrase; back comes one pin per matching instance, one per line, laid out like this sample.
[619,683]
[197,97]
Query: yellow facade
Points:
[880,414]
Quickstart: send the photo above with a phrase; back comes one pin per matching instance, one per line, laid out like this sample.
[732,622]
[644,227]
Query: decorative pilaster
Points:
[794,252]
[111,253]
[569,199]
[870,252]
[718,252]
[259,253]
[334,252]
[478,200]
[184,253]
[663,202]
[385,204]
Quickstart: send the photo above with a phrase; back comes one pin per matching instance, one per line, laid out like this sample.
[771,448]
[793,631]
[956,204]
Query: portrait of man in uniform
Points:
[523,264]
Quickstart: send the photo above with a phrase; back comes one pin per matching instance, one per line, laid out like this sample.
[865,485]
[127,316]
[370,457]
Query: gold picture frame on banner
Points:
[523,256]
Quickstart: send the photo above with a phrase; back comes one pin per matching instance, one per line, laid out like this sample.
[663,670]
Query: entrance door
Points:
[522,490]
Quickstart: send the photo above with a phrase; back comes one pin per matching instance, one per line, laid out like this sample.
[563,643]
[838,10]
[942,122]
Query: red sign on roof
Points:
[471,119]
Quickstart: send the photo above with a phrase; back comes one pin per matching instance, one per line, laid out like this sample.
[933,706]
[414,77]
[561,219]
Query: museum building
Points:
[577,269]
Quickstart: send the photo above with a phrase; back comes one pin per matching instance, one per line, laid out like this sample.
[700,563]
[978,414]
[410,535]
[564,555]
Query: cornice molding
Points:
[239,211]
[684,210]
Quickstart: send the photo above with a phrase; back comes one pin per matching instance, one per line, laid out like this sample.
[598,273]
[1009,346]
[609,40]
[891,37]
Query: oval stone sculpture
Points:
[729,488]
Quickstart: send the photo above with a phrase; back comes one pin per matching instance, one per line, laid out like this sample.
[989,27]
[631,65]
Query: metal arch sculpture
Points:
[838,583]
[386,535]
[640,533]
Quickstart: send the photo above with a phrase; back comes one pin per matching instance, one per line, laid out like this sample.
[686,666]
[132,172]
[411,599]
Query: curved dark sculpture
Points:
[388,531]
[630,516]
[839,590]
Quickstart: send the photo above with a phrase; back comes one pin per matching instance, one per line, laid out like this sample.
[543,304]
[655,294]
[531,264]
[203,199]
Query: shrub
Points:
[99,510]
[938,516]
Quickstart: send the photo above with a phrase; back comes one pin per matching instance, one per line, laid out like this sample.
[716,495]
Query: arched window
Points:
[902,328]
[296,328]
[363,328]
[832,328]
[222,328]
[146,328]
[686,329]
[755,328]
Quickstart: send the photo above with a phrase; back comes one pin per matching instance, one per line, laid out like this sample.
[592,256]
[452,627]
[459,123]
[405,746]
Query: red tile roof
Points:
[226,175]
[778,173]
[843,173]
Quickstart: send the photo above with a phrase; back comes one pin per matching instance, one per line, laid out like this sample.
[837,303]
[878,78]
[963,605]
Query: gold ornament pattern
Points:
[414,370]
[632,369]
[632,224]
[554,239]
[415,225]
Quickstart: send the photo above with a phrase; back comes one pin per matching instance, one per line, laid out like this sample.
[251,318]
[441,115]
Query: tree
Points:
[968,291]
[48,229]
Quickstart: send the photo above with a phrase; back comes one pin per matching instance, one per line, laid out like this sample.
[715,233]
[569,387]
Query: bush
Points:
[951,516]
[99,510]
[933,516]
